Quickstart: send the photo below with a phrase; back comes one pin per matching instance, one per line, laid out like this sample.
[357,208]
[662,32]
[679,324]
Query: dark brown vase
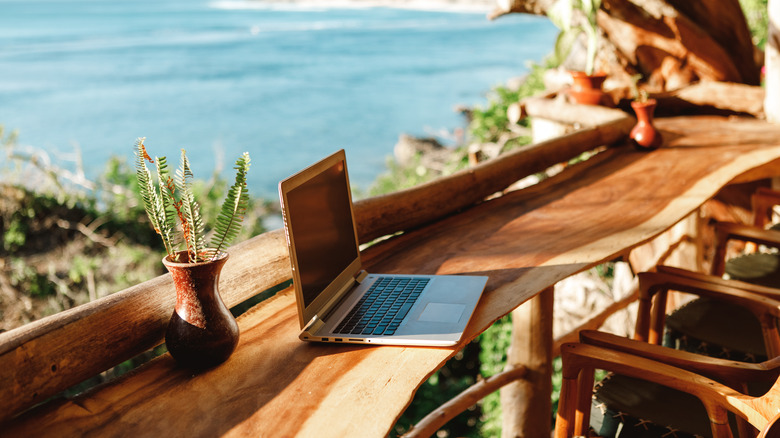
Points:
[586,89]
[202,332]
[644,136]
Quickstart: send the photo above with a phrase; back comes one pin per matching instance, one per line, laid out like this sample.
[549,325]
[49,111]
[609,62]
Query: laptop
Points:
[340,302]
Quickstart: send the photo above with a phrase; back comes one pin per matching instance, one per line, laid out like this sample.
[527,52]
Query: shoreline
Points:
[463,6]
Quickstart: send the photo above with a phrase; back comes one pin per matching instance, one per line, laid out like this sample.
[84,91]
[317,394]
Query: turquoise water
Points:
[289,85]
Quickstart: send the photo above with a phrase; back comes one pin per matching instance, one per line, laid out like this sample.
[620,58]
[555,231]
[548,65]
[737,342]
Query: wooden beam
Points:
[573,114]
[470,396]
[411,208]
[504,7]
[47,356]
[526,403]
[772,63]
[722,96]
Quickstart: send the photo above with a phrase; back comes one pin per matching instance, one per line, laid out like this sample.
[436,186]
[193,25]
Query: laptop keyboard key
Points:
[383,307]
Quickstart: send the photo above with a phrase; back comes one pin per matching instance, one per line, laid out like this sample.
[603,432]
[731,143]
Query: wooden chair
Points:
[634,401]
[698,325]
[728,320]
[751,334]
[763,202]
[684,372]
[758,267]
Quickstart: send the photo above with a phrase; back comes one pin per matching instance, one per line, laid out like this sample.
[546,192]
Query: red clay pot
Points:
[586,89]
[644,136]
[202,332]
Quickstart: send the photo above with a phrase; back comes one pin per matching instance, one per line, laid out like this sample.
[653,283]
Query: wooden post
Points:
[526,404]
[772,64]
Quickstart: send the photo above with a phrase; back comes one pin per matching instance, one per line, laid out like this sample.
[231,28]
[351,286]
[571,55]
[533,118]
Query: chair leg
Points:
[719,422]
[564,421]
[719,259]
[642,329]
[584,398]
[658,318]
[771,336]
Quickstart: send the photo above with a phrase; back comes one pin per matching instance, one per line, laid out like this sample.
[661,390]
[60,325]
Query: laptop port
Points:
[337,339]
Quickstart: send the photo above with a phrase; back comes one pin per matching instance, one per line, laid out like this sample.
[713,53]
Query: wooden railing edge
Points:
[410,208]
[41,359]
[45,357]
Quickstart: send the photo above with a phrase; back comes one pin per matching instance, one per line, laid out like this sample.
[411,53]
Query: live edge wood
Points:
[44,357]
[60,351]
[525,241]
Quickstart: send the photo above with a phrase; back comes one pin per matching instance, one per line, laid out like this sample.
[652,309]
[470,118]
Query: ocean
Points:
[288,83]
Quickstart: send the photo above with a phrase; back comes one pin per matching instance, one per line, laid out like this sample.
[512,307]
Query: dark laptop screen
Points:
[320,218]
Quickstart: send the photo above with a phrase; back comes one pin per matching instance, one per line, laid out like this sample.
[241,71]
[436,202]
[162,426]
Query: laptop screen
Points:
[320,218]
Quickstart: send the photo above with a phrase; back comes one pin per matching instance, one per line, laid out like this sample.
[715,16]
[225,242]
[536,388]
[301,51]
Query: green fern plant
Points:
[167,198]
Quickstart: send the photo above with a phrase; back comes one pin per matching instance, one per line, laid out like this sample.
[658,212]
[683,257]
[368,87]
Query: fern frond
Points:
[231,215]
[153,203]
[192,223]
[166,194]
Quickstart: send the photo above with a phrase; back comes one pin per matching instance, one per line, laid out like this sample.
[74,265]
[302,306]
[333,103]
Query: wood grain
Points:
[42,358]
[525,241]
[57,352]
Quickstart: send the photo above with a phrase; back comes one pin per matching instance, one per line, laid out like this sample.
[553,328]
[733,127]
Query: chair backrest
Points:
[772,430]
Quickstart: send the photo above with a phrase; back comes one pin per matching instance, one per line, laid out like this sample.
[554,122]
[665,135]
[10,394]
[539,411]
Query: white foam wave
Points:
[484,6]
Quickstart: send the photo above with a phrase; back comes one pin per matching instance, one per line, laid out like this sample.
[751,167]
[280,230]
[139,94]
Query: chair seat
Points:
[624,407]
[716,329]
[757,268]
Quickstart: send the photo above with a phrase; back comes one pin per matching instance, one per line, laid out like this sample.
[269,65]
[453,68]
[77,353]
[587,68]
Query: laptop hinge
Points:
[317,321]
[313,326]
[361,276]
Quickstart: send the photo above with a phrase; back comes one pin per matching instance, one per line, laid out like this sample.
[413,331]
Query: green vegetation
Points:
[561,15]
[67,240]
[490,122]
[757,19]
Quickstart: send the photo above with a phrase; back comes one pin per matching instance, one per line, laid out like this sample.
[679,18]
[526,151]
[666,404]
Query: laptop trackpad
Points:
[442,312]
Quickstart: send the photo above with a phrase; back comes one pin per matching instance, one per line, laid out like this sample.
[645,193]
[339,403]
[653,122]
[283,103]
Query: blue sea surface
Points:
[290,85]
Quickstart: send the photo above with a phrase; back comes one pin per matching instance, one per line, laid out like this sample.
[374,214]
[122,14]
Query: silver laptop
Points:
[340,302]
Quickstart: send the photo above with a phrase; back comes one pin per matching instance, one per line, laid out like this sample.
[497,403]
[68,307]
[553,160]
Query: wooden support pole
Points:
[526,404]
[772,64]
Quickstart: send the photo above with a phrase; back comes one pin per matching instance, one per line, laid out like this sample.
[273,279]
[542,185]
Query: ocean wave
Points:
[319,6]
[314,26]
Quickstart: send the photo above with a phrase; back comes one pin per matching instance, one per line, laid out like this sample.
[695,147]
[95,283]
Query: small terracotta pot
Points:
[202,332]
[644,136]
[586,89]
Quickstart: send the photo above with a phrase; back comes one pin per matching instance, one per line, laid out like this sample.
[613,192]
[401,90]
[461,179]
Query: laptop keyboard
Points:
[383,307]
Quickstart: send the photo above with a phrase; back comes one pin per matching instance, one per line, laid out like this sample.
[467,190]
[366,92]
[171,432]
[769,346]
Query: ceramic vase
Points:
[202,332]
[644,135]
[586,89]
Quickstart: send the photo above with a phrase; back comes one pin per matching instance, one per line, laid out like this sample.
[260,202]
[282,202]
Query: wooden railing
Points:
[45,357]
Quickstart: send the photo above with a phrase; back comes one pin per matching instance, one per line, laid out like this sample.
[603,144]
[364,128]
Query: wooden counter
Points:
[525,241]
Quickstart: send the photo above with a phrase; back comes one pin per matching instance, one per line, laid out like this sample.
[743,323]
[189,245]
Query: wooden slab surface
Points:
[525,241]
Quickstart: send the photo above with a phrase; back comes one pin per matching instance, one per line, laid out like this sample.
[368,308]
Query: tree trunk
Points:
[671,43]
[676,42]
